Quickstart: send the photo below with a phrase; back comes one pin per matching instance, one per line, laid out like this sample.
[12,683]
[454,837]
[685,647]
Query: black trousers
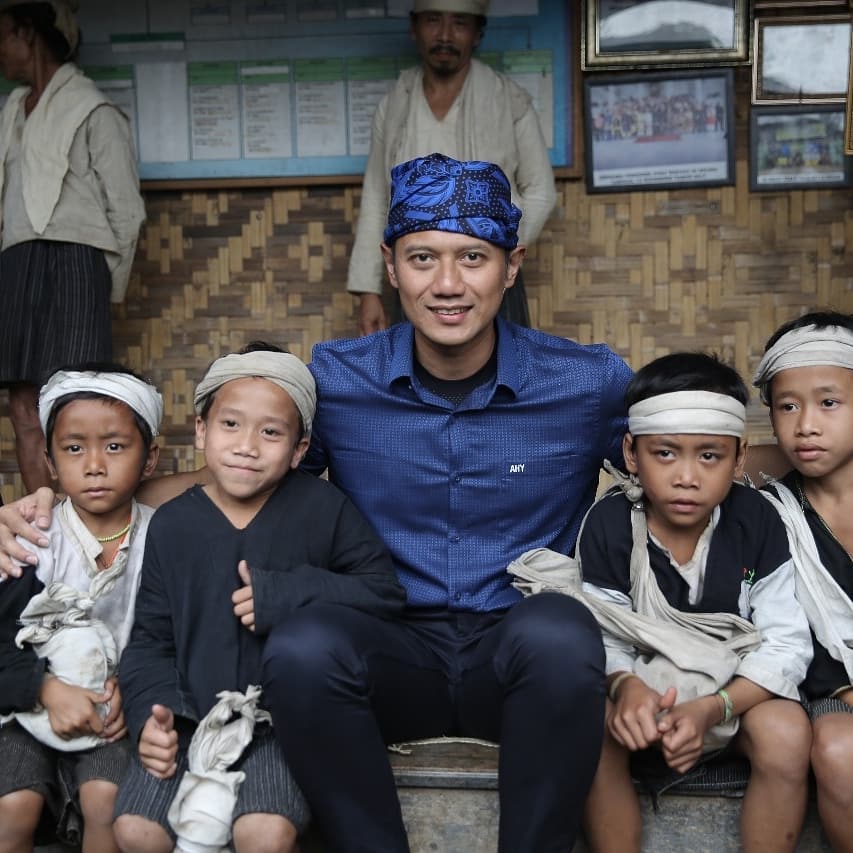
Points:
[342,684]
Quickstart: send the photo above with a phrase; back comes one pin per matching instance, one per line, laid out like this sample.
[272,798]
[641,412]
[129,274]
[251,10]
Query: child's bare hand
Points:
[158,743]
[15,520]
[683,731]
[244,603]
[114,726]
[633,720]
[72,711]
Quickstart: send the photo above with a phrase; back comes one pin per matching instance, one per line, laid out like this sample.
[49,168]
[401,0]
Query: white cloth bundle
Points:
[201,813]
[829,610]
[80,648]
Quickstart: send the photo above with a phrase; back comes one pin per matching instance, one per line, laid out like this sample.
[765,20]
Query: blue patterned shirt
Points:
[457,493]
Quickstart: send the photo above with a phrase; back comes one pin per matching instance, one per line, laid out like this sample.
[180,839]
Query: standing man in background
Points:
[453,104]
[70,213]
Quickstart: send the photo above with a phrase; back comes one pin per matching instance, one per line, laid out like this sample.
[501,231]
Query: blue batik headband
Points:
[437,193]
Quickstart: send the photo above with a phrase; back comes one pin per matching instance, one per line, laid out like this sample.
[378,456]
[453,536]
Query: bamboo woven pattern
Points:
[648,272]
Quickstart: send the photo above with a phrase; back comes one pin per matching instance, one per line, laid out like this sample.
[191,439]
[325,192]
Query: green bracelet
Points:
[728,706]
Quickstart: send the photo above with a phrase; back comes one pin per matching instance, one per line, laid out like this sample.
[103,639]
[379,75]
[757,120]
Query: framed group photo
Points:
[799,147]
[649,33]
[662,130]
[801,60]
[848,129]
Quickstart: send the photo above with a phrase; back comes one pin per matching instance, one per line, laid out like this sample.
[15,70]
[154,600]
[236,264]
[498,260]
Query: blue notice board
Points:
[286,89]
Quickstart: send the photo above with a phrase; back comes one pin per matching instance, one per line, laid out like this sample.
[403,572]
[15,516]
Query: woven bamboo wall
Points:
[649,273]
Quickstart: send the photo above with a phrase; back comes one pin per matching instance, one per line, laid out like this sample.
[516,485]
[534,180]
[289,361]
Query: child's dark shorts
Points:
[827,705]
[30,765]
[268,788]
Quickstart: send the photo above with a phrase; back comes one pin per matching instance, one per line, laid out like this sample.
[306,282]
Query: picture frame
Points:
[660,130]
[801,59]
[664,33]
[848,124]
[794,6]
[797,147]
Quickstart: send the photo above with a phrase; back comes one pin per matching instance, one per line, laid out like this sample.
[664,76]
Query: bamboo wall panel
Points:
[649,273]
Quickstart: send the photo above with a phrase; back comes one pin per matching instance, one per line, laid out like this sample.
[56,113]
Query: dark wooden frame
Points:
[800,174]
[594,56]
[800,25]
[667,134]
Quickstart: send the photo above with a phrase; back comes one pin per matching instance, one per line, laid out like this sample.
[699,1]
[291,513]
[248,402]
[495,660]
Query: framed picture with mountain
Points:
[801,59]
[649,33]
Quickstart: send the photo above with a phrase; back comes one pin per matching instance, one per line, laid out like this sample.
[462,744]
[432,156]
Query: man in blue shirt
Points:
[465,441]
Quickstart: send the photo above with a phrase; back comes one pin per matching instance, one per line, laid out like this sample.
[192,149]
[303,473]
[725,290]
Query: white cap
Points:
[462,7]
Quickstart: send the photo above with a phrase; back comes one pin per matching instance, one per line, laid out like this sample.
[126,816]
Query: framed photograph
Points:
[649,33]
[848,126]
[797,5]
[799,59]
[659,131]
[797,148]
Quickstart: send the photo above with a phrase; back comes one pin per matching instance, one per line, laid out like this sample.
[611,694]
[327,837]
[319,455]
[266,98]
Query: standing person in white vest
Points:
[70,212]
[455,105]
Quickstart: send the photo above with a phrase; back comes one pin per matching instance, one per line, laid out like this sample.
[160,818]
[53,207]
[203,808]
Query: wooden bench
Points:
[448,793]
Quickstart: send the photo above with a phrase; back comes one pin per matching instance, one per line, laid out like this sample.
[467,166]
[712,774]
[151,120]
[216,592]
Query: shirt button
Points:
[457,479]
[457,596]
[454,539]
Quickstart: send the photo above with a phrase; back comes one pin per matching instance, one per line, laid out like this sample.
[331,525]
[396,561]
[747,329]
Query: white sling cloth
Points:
[827,606]
[80,647]
[697,653]
[201,813]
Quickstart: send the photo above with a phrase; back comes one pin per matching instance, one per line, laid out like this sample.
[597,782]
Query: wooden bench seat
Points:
[448,794]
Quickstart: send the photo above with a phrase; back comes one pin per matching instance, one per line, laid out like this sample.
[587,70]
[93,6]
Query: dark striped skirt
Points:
[54,309]
[269,787]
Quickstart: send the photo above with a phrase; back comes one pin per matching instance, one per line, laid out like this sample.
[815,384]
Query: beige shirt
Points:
[99,203]
[492,119]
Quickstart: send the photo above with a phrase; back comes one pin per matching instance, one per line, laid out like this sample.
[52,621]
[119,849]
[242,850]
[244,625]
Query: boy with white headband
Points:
[63,732]
[224,562]
[806,378]
[691,549]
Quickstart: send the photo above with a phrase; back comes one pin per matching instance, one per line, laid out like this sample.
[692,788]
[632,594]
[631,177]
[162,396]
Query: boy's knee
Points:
[264,833]
[136,834]
[97,801]
[832,751]
[779,738]
[19,816]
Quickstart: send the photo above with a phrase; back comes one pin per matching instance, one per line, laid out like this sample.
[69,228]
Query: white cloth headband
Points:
[282,368]
[142,397]
[688,412]
[66,23]
[807,346]
[64,20]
